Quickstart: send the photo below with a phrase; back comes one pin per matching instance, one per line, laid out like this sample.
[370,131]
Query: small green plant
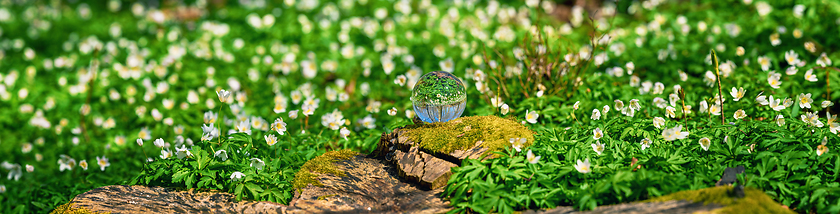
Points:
[247,168]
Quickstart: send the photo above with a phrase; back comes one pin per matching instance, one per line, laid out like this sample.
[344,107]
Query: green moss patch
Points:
[754,201]
[68,209]
[323,164]
[462,133]
[324,197]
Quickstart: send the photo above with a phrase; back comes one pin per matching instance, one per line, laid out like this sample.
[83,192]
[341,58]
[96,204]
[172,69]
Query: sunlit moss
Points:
[754,200]
[68,209]
[324,197]
[323,164]
[462,133]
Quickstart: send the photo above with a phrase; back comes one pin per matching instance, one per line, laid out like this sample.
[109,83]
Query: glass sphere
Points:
[439,97]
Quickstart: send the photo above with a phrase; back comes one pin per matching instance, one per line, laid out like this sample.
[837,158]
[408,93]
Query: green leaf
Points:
[836,167]
[190,180]
[40,205]
[794,113]
[240,138]
[208,173]
[238,191]
[203,159]
[254,190]
[818,193]
[180,175]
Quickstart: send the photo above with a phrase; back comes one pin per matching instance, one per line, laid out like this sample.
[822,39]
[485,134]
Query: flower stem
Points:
[720,89]
[685,116]
[827,89]
[585,178]
[221,123]
[144,154]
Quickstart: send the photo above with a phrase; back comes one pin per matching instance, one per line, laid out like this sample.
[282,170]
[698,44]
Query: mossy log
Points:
[142,199]
[671,207]
[363,185]
[370,186]
[709,200]
[425,153]
[753,200]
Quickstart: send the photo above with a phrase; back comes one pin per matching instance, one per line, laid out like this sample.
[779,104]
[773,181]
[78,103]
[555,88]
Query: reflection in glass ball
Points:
[439,97]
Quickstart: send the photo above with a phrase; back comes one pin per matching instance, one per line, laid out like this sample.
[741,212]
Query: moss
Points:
[754,201]
[68,209]
[324,197]
[323,164]
[463,133]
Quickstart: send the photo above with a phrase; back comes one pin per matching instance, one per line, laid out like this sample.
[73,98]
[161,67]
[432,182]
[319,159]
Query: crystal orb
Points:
[439,97]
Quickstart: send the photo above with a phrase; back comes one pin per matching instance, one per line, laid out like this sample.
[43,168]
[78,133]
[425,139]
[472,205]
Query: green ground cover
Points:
[626,99]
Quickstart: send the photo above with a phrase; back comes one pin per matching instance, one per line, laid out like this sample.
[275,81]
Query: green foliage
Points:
[785,168]
[204,170]
[510,183]
[781,160]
